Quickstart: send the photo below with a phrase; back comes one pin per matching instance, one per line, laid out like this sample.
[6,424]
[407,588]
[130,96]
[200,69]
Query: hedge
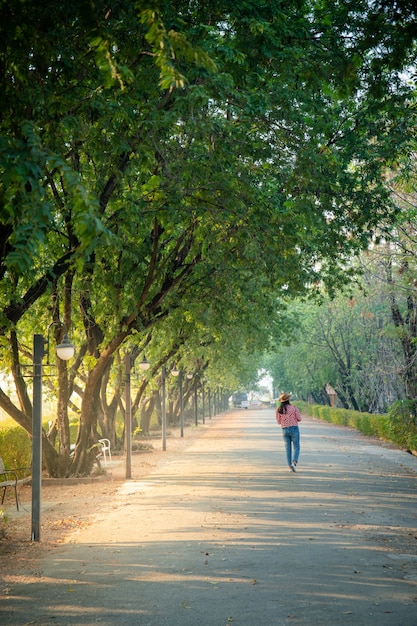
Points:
[398,426]
[16,448]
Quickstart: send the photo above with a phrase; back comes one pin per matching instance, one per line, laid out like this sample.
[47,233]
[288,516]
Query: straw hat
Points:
[284,397]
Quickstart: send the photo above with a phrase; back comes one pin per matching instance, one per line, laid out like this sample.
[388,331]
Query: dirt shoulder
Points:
[69,506]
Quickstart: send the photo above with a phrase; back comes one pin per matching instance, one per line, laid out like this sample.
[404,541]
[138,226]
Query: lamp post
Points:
[181,406]
[144,365]
[176,372]
[64,351]
[203,380]
[128,417]
[164,412]
[196,402]
[189,377]
[209,402]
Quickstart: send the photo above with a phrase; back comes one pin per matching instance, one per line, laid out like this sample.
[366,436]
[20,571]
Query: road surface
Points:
[223,534]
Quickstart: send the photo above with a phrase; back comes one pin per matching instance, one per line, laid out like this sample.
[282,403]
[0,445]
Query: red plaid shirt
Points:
[290,418]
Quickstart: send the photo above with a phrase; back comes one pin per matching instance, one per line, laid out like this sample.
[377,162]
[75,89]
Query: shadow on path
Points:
[224,534]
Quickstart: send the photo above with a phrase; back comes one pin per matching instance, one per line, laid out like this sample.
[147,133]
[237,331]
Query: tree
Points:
[348,341]
[176,151]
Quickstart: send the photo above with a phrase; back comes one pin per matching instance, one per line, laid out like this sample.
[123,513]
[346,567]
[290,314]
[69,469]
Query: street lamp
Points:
[175,372]
[64,351]
[196,401]
[164,411]
[209,402]
[203,380]
[144,365]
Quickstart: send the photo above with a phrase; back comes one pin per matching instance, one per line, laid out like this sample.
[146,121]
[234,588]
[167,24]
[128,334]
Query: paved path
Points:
[224,535]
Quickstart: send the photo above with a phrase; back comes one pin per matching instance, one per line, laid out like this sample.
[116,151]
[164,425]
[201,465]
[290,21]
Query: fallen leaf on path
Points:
[185,605]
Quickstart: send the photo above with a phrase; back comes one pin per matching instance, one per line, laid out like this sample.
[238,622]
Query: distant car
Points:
[245,404]
[238,399]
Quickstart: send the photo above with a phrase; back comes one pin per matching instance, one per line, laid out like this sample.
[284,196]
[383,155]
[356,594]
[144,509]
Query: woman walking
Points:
[288,417]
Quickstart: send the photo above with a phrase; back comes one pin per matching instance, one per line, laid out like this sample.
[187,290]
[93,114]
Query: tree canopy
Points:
[204,160]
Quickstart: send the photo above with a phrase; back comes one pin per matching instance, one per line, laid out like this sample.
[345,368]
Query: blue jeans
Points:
[291,436]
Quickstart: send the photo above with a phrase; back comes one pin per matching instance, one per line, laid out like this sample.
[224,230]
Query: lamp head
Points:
[66,349]
[144,364]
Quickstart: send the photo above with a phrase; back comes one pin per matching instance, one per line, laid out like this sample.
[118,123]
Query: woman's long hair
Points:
[283,407]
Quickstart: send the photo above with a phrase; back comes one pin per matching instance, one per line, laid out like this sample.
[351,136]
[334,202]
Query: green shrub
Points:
[340,417]
[15,448]
[315,410]
[380,426]
[412,440]
[399,426]
[362,423]
[3,522]
[305,407]
[325,413]
[403,423]
[73,428]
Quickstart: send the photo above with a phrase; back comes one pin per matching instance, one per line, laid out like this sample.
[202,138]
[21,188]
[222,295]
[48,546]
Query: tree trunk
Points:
[407,326]
[108,413]
[147,409]
[86,445]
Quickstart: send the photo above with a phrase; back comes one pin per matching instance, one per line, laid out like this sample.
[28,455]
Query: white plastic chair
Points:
[105,449]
